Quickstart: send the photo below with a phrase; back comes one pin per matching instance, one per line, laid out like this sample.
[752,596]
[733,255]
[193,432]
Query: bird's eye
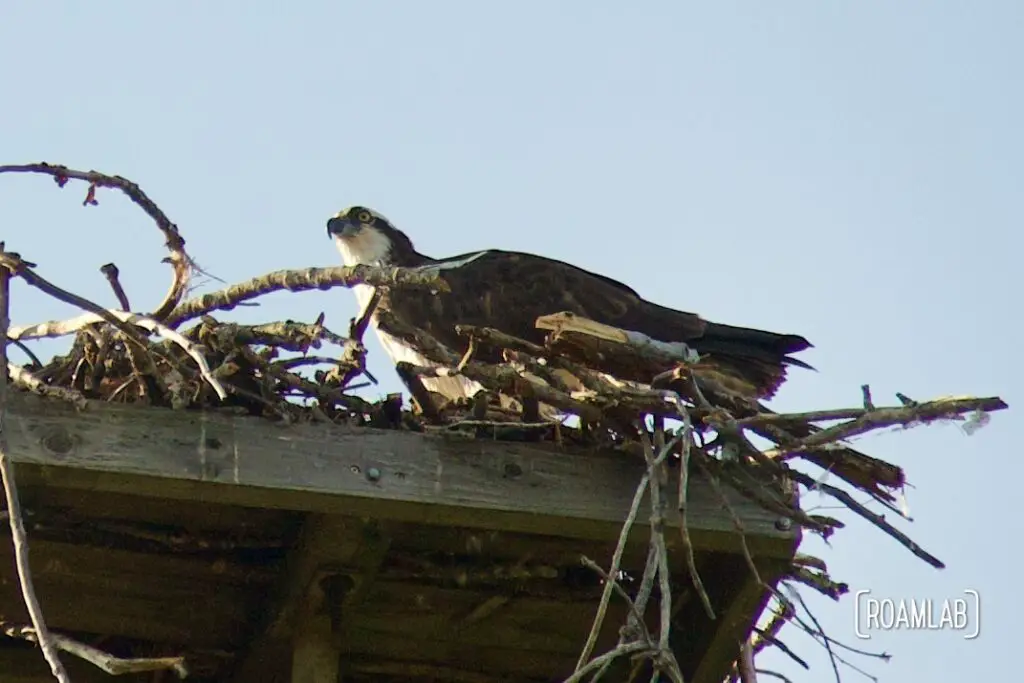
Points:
[364,217]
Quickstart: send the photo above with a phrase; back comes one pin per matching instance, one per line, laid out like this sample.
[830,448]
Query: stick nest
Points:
[184,355]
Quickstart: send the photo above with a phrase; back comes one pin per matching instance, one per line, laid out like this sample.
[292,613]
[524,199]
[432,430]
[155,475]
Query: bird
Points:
[509,290]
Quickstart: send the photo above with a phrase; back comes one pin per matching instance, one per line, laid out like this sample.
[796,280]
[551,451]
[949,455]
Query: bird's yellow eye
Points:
[364,217]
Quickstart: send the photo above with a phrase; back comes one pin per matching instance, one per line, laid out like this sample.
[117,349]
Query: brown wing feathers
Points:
[510,290]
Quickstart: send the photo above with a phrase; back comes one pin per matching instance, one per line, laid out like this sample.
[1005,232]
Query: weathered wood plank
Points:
[439,614]
[494,659]
[198,603]
[389,475]
[209,518]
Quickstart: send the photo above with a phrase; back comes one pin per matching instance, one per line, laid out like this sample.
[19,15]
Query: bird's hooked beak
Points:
[343,226]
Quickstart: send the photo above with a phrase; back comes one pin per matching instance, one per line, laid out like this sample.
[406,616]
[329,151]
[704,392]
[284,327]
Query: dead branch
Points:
[111,272]
[23,269]
[353,356]
[122,318]
[607,658]
[609,580]
[664,659]
[825,639]
[873,517]
[35,385]
[737,524]
[286,335]
[821,582]
[613,572]
[748,674]
[684,482]
[500,379]
[879,418]
[302,281]
[581,331]
[180,261]
[115,666]
[14,512]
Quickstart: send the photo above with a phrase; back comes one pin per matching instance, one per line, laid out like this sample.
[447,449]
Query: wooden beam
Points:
[316,641]
[327,573]
[735,622]
[382,474]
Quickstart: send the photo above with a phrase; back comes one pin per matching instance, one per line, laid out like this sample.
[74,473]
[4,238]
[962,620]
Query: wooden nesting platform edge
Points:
[384,474]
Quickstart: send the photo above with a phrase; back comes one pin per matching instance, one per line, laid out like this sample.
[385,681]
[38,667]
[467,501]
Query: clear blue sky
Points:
[848,171]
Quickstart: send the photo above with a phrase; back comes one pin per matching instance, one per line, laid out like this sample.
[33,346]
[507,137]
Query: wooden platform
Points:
[255,548]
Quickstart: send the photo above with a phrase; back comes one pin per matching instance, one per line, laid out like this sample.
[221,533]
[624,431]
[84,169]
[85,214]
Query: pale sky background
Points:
[849,171]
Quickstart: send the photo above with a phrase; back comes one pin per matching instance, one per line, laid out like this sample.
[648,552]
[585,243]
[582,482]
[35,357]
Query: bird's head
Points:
[364,236]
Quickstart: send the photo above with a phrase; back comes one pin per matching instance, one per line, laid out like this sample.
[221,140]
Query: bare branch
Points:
[14,513]
[60,328]
[873,517]
[111,272]
[115,666]
[865,421]
[613,572]
[684,478]
[23,269]
[180,261]
[34,384]
[302,281]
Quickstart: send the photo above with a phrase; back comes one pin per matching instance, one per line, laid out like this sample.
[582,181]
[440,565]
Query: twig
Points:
[607,658]
[353,355]
[820,582]
[111,272]
[288,335]
[865,390]
[60,328]
[943,408]
[875,518]
[617,587]
[495,423]
[684,478]
[15,520]
[466,357]
[825,639]
[34,384]
[36,363]
[115,666]
[657,480]
[305,280]
[23,269]
[358,327]
[500,379]
[737,524]
[180,261]
[748,674]
[780,617]
[785,649]
[303,361]
[613,571]
[754,492]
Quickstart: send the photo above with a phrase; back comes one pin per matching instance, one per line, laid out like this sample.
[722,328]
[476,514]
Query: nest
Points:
[184,356]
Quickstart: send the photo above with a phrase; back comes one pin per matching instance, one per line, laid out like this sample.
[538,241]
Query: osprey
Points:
[509,290]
